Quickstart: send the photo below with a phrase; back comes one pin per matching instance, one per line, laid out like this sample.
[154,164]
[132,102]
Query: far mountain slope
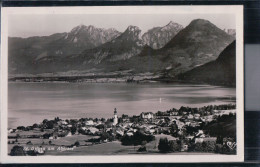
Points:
[81,38]
[125,46]
[157,37]
[222,71]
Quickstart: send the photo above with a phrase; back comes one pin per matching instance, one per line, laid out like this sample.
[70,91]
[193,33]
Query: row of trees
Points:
[201,110]
[166,146]
[136,139]
[169,146]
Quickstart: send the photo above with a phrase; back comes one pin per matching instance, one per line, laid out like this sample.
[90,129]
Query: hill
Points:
[222,71]
[223,126]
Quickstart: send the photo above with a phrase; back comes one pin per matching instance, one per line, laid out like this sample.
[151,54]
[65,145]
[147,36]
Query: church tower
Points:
[115,122]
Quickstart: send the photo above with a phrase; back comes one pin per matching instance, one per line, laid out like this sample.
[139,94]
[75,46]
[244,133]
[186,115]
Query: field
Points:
[58,147]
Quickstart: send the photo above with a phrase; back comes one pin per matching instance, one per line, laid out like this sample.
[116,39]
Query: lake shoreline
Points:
[109,78]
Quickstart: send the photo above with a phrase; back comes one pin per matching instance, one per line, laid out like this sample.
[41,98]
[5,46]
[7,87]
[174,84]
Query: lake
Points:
[30,103]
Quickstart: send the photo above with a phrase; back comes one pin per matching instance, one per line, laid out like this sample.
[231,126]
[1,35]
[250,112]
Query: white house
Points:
[10,131]
[92,130]
[64,122]
[179,124]
[129,133]
[147,115]
[190,116]
[69,134]
[89,122]
[205,139]
[84,128]
[174,113]
[152,131]
[120,132]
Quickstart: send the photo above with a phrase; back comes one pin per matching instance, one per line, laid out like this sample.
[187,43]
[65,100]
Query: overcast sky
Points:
[42,25]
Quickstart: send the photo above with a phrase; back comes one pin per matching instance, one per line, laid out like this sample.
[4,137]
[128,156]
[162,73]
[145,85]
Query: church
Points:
[115,119]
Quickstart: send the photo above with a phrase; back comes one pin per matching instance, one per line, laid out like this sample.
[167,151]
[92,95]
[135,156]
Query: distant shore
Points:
[110,77]
[87,77]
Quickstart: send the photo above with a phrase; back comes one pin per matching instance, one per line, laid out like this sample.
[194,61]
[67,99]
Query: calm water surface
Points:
[30,103]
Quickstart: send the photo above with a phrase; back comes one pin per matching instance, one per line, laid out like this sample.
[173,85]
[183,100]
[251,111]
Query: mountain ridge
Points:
[221,71]
[25,52]
[157,37]
[198,43]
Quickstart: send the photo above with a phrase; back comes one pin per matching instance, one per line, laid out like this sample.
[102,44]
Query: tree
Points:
[21,128]
[143,147]
[206,146]
[35,125]
[136,139]
[198,147]
[219,140]
[77,144]
[29,142]
[50,124]
[219,148]
[124,116]
[175,146]
[191,130]
[32,153]
[81,131]
[164,145]
[16,137]
[100,126]
[45,121]
[73,130]
[17,151]
[209,146]
[56,119]
[46,135]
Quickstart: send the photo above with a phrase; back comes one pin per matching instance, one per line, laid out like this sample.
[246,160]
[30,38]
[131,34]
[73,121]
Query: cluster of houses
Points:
[147,122]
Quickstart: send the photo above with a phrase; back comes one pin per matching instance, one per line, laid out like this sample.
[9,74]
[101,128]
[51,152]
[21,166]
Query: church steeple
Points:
[115,120]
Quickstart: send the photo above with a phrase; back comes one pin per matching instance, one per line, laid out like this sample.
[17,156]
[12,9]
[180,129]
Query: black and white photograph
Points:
[122,84]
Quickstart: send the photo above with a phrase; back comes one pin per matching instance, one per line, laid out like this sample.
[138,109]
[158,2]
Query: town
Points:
[209,129]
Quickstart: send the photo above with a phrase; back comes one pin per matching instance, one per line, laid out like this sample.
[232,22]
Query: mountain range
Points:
[26,52]
[168,51]
[198,43]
